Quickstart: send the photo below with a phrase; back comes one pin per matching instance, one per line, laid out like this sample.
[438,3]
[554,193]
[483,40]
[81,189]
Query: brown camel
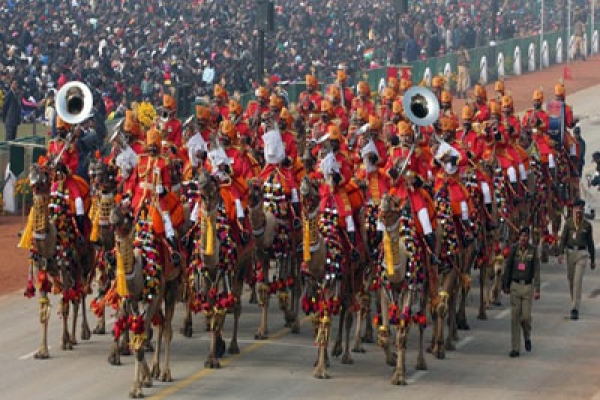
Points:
[400,287]
[219,272]
[54,255]
[277,241]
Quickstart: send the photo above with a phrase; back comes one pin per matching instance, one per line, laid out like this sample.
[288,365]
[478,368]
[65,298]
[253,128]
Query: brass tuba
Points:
[74,102]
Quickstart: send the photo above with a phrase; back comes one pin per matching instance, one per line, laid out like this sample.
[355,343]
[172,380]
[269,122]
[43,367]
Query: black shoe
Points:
[574,314]
[514,354]
[528,344]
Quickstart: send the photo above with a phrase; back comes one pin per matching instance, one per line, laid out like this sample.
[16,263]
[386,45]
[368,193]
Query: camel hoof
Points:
[41,355]
[212,364]
[421,365]
[296,327]
[124,350]
[429,349]
[359,349]
[260,336]
[337,350]
[233,349]
[166,376]
[86,334]
[99,330]
[482,316]
[321,374]
[113,359]
[391,360]
[398,379]
[368,338]
[155,373]
[187,330]
[221,347]
[347,359]
[497,303]
[73,342]
[462,326]
[147,383]
[440,354]
[136,393]
[449,346]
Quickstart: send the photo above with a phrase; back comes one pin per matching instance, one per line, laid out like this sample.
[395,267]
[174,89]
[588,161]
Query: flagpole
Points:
[569,32]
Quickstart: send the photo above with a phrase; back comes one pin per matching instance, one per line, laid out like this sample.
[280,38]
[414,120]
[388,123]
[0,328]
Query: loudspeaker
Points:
[401,6]
[265,16]
[182,96]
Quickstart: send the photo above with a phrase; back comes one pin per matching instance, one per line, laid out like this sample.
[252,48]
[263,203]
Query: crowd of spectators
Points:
[128,49]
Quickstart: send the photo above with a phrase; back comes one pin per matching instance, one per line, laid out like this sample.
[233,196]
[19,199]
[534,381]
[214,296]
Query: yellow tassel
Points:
[27,236]
[209,250]
[389,256]
[121,280]
[95,214]
[306,241]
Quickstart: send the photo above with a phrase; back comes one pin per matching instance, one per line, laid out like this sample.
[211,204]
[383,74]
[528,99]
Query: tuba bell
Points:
[421,106]
[74,102]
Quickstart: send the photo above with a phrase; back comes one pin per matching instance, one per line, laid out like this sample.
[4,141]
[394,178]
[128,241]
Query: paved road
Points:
[563,364]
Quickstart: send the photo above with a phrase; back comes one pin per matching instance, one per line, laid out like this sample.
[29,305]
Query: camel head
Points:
[39,179]
[255,196]
[389,209]
[309,190]
[208,187]
[121,219]
[103,177]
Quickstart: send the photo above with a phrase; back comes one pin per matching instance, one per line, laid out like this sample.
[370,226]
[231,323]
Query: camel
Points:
[276,242]
[219,263]
[444,283]
[327,291]
[51,239]
[145,278]
[402,280]
[102,238]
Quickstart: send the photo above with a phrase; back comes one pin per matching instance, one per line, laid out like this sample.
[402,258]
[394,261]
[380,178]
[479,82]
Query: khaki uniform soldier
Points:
[522,282]
[579,44]
[463,60]
[578,242]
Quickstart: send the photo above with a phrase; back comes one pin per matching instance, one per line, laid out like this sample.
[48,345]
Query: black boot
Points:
[430,241]
[175,255]
[244,234]
[80,221]
[296,223]
[354,256]
[489,222]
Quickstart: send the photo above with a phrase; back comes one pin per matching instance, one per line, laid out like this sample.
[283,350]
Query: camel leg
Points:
[347,357]
[168,333]
[466,260]
[100,328]
[187,330]
[320,370]
[399,377]
[263,293]
[64,313]
[383,336]
[337,347]
[237,311]
[483,291]
[44,312]
[421,364]
[86,333]
[498,273]
[216,342]
[136,388]
[296,291]
[357,346]
[366,303]
[72,336]
[155,373]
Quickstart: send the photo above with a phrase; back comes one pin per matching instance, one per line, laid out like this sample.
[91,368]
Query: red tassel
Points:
[30,289]
[289,282]
[306,305]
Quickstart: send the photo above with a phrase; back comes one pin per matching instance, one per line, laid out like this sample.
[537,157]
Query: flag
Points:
[368,53]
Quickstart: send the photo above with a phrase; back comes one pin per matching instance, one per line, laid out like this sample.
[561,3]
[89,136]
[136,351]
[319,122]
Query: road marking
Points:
[416,376]
[30,355]
[177,387]
[464,342]
[503,313]
[252,341]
